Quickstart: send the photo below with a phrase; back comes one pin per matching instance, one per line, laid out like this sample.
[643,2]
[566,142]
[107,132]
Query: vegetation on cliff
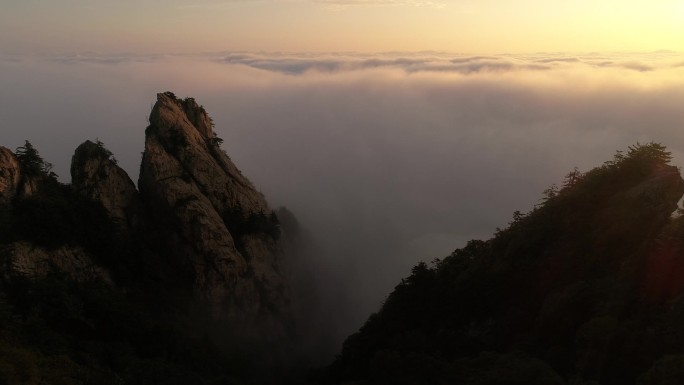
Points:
[58,328]
[584,289]
[177,282]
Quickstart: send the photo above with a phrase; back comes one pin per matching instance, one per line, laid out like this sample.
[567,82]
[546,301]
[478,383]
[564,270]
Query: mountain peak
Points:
[171,111]
[95,174]
[224,233]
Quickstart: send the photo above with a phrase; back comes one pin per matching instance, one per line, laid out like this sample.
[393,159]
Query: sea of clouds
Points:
[387,159]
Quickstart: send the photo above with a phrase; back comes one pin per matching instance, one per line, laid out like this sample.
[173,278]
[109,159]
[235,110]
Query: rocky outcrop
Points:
[25,260]
[183,130]
[652,200]
[216,225]
[12,181]
[195,216]
[187,265]
[660,193]
[95,174]
[10,174]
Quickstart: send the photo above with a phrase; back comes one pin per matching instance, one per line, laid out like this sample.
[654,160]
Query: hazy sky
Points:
[471,26]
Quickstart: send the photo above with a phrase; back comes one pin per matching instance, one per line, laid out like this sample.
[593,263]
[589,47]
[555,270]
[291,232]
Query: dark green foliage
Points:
[55,216]
[90,150]
[87,332]
[32,164]
[102,151]
[571,292]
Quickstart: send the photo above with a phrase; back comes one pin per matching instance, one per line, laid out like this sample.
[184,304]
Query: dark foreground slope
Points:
[183,281]
[585,289]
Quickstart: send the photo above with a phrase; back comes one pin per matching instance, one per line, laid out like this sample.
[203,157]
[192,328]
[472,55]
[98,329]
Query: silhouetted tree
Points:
[517,216]
[572,178]
[653,152]
[550,193]
[32,164]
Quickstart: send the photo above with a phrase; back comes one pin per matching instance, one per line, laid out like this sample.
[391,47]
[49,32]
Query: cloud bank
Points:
[297,64]
[386,158]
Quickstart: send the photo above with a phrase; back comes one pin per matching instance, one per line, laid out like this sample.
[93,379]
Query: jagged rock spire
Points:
[218,226]
[95,174]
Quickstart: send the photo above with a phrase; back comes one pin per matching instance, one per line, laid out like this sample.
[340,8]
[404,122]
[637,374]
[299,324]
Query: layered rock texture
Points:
[95,175]
[27,260]
[180,280]
[9,175]
[21,258]
[213,222]
[194,213]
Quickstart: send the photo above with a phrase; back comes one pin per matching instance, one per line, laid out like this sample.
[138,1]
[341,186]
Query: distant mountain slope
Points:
[584,289]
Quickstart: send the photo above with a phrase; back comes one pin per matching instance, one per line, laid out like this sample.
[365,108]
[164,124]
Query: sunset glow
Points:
[486,26]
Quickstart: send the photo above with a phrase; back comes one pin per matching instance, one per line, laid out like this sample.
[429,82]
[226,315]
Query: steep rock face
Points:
[9,175]
[217,226]
[96,175]
[12,181]
[184,130]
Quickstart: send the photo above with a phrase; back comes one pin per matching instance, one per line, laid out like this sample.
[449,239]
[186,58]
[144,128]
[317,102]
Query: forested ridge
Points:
[584,289]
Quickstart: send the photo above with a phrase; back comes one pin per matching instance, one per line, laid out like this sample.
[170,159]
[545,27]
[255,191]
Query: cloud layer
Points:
[297,64]
[387,158]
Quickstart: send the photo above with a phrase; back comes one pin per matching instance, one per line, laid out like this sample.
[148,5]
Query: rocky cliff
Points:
[10,174]
[185,272]
[214,224]
[195,213]
[95,175]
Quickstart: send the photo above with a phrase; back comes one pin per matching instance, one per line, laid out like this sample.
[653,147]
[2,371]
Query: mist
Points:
[385,159]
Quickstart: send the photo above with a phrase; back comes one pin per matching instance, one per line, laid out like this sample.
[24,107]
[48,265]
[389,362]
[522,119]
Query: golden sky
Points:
[470,26]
